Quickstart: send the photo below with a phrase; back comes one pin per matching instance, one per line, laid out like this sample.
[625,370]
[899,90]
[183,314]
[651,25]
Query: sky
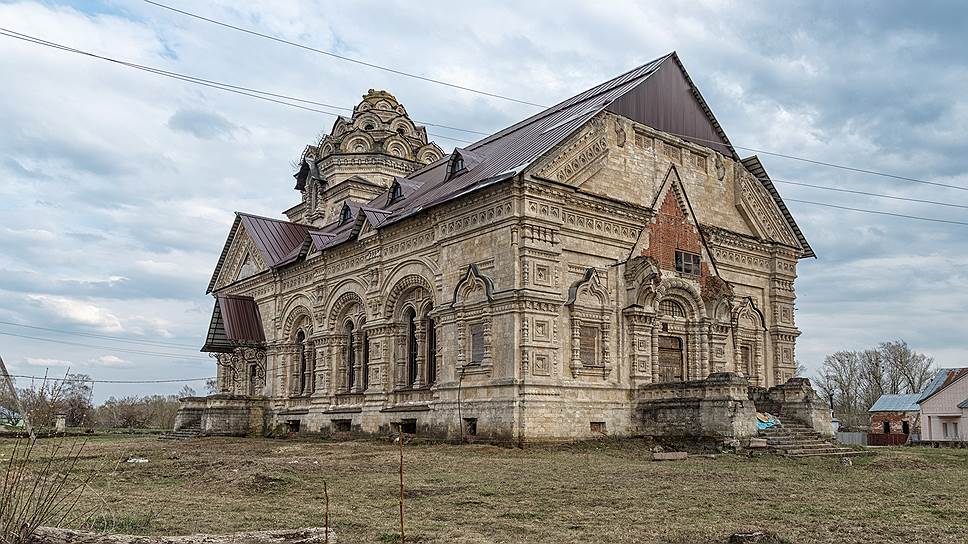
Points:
[118,187]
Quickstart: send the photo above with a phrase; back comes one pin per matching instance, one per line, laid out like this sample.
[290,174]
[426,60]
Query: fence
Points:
[881,439]
[852,438]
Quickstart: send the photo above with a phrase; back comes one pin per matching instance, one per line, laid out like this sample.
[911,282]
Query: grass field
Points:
[592,492]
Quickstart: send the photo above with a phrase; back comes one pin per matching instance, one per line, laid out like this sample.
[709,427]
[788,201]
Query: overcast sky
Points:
[117,187]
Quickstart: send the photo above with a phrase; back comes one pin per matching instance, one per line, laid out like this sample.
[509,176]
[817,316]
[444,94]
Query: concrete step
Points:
[181,434]
[846,453]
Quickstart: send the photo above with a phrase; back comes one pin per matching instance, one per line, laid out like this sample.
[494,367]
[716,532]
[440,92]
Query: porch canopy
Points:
[235,323]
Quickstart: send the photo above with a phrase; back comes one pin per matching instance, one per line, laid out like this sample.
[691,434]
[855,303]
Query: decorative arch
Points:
[339,310]
[405,124]
[298,315]
[749,341]
[365,119]
[685,292]
[397,146]
[357,142]
[406,284]
[590,314]
[589,286]
[473,286]
[429,153]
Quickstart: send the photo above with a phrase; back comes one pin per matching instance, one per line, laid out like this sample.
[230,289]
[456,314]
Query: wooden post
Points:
[326,514]
[401,484]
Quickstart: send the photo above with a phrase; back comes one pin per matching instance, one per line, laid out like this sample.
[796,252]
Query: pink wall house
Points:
[944,407]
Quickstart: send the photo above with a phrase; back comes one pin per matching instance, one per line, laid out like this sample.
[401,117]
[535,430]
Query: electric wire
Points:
[949,221]
[505,97]
[108,348]
[269,97]
[246,91]
[48,378]
[345,58]
[104,336]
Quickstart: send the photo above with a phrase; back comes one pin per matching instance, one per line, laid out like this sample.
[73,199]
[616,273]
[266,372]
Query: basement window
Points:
[470,426]
[597,427]
[687,263]
[292,425]
[342,425]
[408,426]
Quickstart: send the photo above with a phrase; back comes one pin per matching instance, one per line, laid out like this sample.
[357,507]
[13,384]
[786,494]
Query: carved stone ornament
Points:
[720,168]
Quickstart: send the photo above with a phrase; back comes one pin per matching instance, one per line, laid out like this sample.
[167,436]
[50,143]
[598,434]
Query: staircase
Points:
[794,439]
[191,431]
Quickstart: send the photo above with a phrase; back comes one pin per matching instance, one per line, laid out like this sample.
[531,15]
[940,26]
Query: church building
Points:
[605,266]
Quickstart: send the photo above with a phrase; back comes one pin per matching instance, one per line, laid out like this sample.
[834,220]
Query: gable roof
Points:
[942,378]
[756,168]
[659,94]
[897,403]
[509,151]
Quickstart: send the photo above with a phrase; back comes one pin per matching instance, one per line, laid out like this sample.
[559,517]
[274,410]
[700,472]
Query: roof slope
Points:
[756,168]
[235,321]
[897,403]
[943,378]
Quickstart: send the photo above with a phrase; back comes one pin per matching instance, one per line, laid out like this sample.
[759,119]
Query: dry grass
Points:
[593,492]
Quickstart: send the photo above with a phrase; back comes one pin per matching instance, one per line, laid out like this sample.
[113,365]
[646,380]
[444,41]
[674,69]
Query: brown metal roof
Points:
[756,168]
[274,238]
[235,322]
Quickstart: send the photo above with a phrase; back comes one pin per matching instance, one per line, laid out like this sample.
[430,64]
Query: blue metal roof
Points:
[897,403]
[942,378]
[963,404]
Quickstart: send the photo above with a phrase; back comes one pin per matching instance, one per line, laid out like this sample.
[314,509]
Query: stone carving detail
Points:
[585,151]
[759,209]
[720,168]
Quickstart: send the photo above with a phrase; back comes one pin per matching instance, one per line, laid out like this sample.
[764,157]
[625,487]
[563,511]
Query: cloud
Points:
[117,187]
[41,362]
[201,124]
[111,361]
[79,311]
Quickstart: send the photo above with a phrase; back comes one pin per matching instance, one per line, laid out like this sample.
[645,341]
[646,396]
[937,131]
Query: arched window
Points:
[350,357]
[301,343]
[366,361]
[411,319]
[431,351]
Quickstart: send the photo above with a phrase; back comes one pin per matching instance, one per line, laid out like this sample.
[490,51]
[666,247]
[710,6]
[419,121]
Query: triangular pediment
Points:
[669,101]
[760,211]
[673,226]
[240,259]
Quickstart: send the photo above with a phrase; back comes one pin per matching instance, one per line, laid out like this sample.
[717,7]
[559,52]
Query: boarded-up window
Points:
[477,343]
[746,356]
[588,345]
[670,359]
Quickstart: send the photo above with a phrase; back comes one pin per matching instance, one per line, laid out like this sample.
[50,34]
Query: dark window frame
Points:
[688,263]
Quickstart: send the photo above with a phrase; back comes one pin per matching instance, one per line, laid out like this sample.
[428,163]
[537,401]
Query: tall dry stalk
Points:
[40,491]
[401,485]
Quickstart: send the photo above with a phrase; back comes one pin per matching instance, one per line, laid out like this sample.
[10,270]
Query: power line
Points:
[120,350]
[892,197]
[269,97]
[878,212]
[342,57]
[104,336]
[504,97]
[48,378]
[272,97]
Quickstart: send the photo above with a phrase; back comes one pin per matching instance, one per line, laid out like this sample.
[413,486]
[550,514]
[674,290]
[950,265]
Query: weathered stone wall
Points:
[227,415]
[797,400]
[532,260]
[895,422]
[717,407]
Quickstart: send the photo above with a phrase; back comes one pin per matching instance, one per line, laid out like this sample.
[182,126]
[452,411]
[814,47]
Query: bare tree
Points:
[874,375]
[840,378]
[912,370]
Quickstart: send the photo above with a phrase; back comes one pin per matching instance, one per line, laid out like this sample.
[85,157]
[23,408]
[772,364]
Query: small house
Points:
[893,419]
[944,407]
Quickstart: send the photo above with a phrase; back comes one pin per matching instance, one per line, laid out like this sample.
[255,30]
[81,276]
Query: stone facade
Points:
[549,304]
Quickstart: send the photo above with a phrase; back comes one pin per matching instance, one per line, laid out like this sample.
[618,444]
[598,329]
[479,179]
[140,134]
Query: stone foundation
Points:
[718,407]
[224,415]
[795,400]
